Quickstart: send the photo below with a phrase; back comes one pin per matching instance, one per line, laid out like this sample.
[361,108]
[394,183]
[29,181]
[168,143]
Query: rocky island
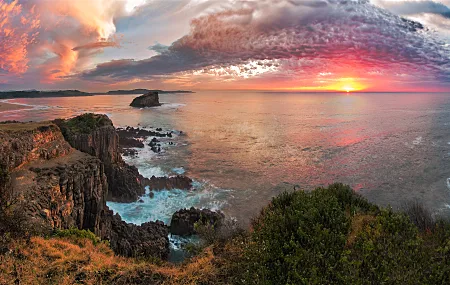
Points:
[150,99]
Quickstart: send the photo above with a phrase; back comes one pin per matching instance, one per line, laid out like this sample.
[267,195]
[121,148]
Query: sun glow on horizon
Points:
[347,84]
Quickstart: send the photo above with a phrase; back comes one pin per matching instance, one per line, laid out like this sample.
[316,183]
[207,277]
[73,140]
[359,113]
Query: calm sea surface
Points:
[242,148]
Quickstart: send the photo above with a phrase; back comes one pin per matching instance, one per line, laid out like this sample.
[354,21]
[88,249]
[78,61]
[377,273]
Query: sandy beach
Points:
[11,107]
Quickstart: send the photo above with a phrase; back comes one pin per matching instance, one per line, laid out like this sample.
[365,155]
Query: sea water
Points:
[243,148]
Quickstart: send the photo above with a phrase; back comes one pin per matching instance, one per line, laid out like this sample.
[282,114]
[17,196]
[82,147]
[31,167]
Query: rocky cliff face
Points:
[96,135]
[151,99]
[21,143]
[59,187]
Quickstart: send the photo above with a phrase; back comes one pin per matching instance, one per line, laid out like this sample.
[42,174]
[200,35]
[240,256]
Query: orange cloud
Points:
[17,32]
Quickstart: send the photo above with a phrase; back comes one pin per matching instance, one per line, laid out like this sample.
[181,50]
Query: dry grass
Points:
[60,261]
[17,127]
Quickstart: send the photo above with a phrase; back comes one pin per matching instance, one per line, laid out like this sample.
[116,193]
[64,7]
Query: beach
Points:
[6,107]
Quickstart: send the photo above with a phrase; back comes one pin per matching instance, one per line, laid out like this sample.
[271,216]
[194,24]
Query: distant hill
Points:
[76,93]
[42,94]
[143,91]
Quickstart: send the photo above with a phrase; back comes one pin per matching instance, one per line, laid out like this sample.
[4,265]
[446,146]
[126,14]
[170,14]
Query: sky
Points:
[291,45]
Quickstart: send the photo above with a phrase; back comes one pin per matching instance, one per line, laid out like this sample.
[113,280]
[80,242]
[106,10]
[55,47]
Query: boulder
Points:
[168,183]
[183,221]
[151,99]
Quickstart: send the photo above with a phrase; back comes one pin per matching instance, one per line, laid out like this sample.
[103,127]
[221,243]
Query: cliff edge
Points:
[55,186]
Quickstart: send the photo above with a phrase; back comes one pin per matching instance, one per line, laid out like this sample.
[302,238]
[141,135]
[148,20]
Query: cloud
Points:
[300,38]
[96,45]
[413,7]
[18,31]
[54,39]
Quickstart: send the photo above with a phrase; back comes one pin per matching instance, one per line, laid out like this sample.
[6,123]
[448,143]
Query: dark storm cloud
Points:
[305,36]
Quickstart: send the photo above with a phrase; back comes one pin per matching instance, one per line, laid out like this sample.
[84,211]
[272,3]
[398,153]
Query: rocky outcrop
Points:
[183,221]
[168,183]
[95,134]
[64,192]
[151,99]
[21,143]
[58,187]
[148,239]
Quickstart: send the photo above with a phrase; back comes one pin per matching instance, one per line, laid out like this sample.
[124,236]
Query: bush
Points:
[334,236]
[299,238]
[75,235]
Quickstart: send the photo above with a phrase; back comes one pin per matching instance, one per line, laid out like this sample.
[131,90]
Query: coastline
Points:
[9,107]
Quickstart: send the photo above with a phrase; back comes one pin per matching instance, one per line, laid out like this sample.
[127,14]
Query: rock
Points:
[183,221]
[129,152]
[148,239]
[168,183]
[151,99]
[61,188]
[95,134]
[125,142]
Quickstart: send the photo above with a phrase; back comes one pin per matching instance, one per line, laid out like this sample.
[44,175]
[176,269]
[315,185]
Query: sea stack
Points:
[151,99]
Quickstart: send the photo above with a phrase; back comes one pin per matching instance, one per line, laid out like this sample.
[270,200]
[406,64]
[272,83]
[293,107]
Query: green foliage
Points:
[388,250]
[75,235]
[334,236]
[299,238]
[84,123]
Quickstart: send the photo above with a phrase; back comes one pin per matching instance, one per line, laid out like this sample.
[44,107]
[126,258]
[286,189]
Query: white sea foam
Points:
[166,202]
[179,170]
[417,141]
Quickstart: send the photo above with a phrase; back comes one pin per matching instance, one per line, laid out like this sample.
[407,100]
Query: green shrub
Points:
[75,234]
[388,250]
[300,237]
[334,236]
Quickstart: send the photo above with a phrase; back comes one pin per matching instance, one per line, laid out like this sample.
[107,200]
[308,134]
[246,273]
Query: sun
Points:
[348,85]
[348,88]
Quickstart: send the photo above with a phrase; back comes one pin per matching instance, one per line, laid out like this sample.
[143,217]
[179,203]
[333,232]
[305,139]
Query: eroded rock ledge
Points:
[60,187]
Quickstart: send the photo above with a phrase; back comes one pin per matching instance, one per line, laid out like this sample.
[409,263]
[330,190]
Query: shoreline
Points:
[10,107]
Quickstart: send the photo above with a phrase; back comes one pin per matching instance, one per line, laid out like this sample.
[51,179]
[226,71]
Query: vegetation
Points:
[327,236]
[85,124]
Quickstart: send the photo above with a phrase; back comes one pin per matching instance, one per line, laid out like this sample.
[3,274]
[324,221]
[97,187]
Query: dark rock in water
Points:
[148,239]
[183,221]
[137,133]
[158,129]
[168,183]
[151,99]
[126,142]
[151,195]
[141,201]
[129,152]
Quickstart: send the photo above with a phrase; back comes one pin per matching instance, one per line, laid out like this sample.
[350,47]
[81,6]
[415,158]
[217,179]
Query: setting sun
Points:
[347,85]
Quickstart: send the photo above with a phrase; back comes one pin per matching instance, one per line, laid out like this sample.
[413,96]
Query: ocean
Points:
[242,148]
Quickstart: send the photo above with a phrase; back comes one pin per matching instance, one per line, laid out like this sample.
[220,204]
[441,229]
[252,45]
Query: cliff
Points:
[21,143]
[55,186]
[151,99]
[96,135]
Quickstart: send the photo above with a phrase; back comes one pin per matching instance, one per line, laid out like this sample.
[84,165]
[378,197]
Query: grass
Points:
[30,126]
[327,236]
